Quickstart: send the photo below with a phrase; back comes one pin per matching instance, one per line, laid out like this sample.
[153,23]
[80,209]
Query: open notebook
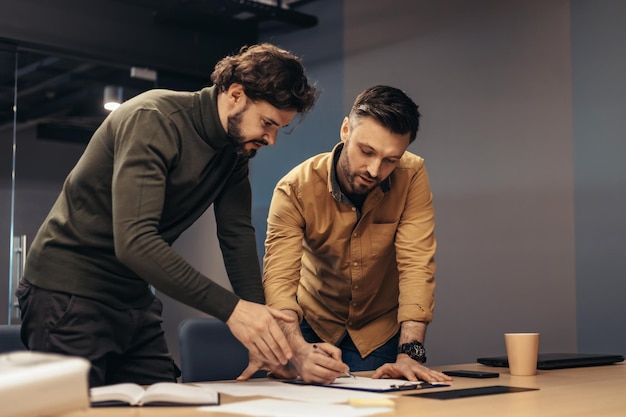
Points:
[559,360]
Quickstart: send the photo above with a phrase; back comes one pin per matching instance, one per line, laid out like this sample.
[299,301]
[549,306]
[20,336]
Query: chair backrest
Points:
[209,351]
[10,338]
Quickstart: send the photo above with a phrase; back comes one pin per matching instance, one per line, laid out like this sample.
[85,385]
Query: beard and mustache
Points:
[236,138]
[351,176]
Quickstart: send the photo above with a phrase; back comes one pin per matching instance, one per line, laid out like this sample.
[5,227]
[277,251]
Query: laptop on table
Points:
[547,361]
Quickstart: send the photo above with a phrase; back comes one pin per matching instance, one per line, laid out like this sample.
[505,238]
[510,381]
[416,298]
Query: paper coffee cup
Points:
[521,351]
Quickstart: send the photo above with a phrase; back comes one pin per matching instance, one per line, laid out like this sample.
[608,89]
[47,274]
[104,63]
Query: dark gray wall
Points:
[599,91]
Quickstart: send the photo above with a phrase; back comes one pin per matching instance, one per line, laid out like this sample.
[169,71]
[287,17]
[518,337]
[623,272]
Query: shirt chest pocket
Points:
[381,239]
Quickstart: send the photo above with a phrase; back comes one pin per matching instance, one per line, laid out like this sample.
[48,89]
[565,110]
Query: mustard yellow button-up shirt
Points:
[344,269]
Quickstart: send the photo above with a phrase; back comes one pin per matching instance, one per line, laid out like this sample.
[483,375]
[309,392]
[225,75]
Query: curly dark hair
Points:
[389,106]
[267,73]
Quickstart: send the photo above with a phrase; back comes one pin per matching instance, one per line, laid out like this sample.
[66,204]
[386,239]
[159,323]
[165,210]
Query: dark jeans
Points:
[122,345]
[351,356]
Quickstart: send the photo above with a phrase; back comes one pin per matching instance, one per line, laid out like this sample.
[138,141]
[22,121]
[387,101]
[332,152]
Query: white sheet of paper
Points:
[281,408]
[277,389]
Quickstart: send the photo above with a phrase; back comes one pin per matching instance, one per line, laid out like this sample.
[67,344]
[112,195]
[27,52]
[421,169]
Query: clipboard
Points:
[373,385]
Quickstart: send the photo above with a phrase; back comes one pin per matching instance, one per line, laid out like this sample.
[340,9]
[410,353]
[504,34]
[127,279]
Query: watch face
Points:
[415,350]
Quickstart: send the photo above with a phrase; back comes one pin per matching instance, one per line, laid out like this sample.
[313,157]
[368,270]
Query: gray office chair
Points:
[10,338]
[210,352]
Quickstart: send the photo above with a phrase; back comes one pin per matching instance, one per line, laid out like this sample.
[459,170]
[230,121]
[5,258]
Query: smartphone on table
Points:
[471,374]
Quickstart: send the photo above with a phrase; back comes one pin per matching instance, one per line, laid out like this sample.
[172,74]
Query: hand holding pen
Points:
[318,363]
[346,374]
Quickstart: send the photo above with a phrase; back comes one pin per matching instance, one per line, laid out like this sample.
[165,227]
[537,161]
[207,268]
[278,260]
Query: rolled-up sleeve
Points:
[415,251]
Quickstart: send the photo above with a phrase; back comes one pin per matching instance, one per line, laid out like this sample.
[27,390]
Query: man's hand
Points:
[319,362]
[315,363]
[287,371]
[255,326]
[405,367]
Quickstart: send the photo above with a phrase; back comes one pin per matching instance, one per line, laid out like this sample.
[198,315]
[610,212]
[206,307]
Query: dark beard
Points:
[235,137]
[356,190]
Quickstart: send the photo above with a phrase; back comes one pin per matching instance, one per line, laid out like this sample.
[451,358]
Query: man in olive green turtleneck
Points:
[151,169]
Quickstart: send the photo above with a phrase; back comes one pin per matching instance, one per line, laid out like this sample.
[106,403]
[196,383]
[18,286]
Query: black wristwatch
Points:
[415,350]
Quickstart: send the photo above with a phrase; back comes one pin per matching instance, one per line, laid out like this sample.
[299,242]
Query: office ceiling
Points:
[61,93]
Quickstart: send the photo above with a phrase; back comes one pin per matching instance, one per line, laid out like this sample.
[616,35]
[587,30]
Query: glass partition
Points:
[50,105]
[7,147]
[59,103]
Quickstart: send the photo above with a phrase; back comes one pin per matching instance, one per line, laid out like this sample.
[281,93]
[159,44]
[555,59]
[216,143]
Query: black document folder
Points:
[472,392]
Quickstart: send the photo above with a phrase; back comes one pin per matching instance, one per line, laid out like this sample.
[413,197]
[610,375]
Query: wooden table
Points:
[585,392]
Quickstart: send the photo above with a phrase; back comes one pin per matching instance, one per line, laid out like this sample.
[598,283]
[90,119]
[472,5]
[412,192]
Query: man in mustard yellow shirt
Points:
[350,249]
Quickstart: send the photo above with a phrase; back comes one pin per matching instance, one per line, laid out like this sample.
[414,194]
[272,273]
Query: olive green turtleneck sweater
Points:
[150,170]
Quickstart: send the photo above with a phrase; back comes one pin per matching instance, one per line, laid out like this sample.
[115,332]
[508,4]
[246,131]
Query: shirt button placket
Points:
[356,273]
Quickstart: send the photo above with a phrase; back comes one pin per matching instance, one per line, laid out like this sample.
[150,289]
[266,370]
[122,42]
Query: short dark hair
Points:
[389,106]
[268,73]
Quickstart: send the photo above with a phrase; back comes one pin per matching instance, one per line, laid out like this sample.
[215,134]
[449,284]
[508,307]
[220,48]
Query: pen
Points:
[406,386]
[347,374]
[418,385]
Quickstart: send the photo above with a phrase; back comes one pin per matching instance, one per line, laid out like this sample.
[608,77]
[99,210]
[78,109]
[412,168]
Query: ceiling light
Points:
[112,97]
